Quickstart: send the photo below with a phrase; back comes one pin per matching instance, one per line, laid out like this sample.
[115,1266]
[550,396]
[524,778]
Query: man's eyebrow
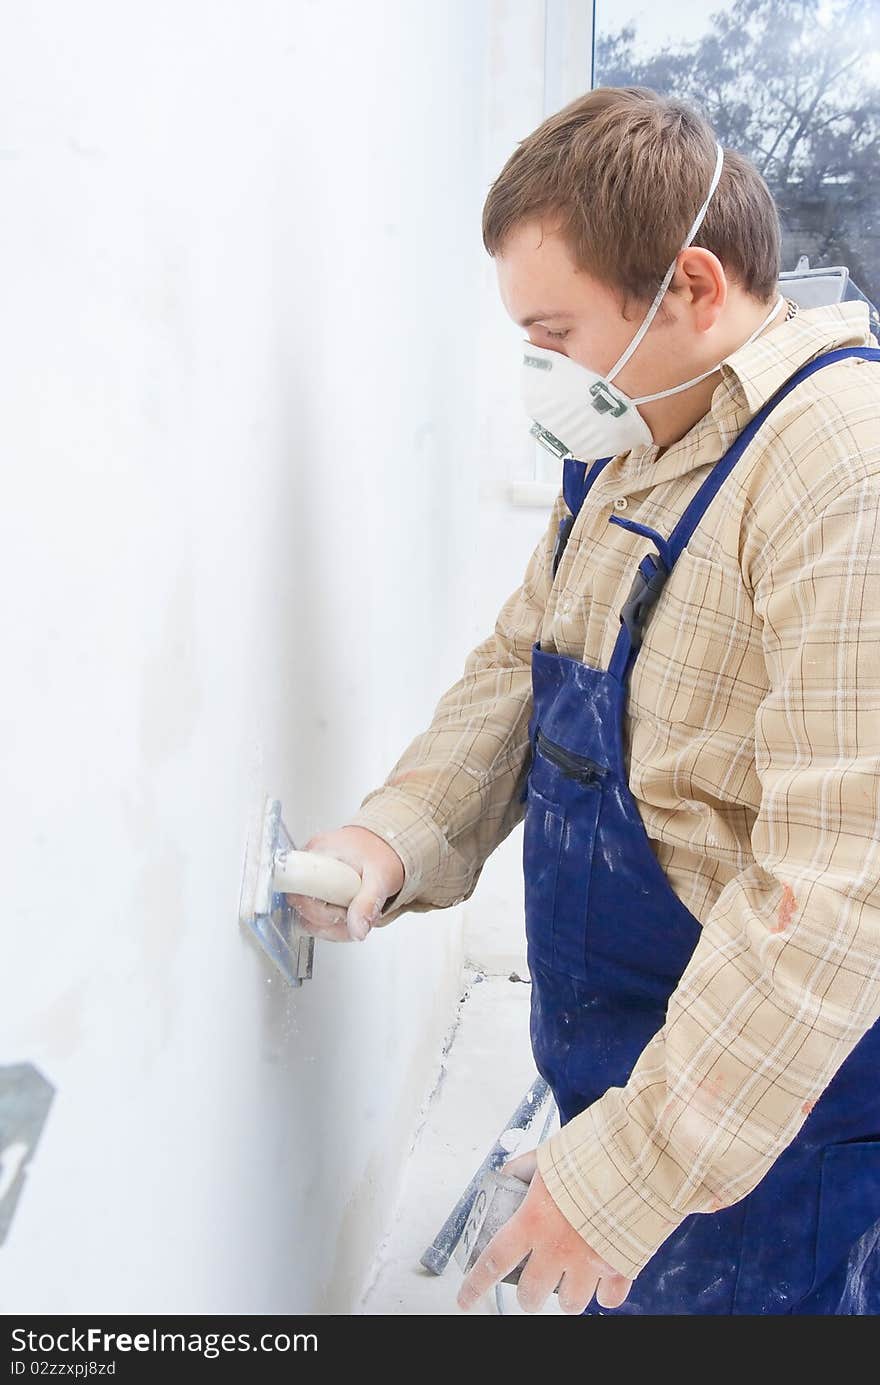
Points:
[538,317]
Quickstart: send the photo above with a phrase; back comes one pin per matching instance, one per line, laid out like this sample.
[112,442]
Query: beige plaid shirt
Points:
[753,744]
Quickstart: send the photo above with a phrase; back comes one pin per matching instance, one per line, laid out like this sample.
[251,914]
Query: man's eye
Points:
[559,335]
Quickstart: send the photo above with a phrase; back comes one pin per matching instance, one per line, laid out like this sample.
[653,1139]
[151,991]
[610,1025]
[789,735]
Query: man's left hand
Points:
[558,1255]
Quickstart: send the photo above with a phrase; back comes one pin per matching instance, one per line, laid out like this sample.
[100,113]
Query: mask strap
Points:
[661,394]
[698,219]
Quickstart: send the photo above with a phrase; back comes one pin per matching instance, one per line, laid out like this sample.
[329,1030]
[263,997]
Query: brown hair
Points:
[626,170]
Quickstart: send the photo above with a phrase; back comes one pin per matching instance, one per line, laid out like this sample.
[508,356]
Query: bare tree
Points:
[785,82]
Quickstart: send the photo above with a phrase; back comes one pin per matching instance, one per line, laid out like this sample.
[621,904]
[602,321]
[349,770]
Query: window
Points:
[792,84]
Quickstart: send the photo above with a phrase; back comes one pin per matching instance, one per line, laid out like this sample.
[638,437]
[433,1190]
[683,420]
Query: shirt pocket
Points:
[691,659]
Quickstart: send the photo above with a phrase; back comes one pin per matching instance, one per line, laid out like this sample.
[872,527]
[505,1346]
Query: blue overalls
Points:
[608,940]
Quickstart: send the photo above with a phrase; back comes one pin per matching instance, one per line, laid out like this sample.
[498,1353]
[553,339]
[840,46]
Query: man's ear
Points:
[702,285]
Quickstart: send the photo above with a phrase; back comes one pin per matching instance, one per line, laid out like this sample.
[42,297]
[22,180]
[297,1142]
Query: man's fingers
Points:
[537,1281]
[365,908]
[316,911]
[612,1290]
[323,920]
[506,1248]
[333,921]
[577,1288]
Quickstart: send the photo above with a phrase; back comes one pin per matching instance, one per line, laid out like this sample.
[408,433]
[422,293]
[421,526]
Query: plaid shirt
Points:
[752,738]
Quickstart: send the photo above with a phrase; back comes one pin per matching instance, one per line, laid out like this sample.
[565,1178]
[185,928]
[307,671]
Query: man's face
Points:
[582,317]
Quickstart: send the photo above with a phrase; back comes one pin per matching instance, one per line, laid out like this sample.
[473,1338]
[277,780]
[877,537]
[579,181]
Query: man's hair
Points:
[622,172]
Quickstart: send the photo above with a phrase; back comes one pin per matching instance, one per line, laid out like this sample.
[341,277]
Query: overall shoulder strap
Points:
[654,569]
[694,512]
[576,481]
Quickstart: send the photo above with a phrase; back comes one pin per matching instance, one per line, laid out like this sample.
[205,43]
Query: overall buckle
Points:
[566,524]
[644,592]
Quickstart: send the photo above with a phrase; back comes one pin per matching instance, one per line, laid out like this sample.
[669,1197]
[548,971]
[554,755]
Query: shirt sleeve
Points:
[453,795]
[784,979]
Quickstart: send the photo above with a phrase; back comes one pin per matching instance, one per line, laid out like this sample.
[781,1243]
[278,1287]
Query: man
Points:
[684,693]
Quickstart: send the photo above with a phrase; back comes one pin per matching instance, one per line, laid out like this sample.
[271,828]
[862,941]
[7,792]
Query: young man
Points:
[682,701]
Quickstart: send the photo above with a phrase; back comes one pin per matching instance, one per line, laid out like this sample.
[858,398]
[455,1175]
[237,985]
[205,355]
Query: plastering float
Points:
[464,1225]
[273,868]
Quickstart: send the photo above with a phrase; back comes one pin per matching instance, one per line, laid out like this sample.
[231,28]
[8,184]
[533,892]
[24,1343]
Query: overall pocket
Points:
[559,835]
[849,1203]
[802,1221]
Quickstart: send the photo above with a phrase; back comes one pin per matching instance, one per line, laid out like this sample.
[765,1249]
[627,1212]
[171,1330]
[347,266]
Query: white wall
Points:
[260,418]
[240,257]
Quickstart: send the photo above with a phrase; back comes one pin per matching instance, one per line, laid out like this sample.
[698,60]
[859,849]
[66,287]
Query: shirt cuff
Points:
[616,1212]
[418,841]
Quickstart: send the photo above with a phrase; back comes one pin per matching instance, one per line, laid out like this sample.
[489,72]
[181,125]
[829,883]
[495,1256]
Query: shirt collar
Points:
[749,376]
[758,370]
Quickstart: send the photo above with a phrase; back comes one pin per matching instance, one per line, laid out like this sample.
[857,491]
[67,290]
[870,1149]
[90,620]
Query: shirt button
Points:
[621,502]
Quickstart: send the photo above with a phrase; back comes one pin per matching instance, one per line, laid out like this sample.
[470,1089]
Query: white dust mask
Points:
[575,410]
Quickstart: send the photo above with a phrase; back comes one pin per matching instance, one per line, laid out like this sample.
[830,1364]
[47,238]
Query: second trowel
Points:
[272,869]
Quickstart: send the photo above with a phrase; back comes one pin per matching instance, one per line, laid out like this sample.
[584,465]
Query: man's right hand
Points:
[382,874]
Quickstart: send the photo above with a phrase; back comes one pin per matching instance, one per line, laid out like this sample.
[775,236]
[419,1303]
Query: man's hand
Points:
[558,1253]
[382,874]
